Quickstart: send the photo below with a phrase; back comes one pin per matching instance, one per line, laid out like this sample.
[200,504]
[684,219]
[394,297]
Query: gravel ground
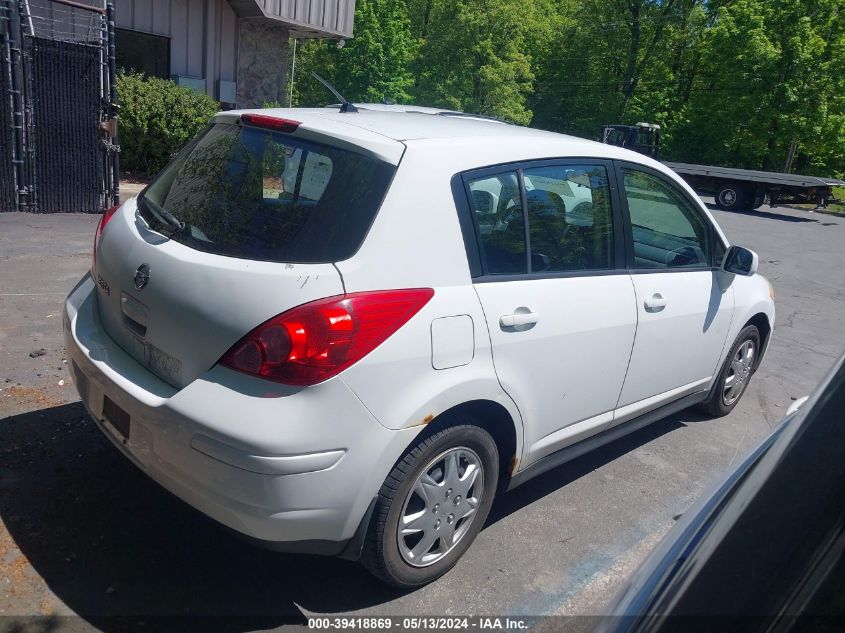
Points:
[83,532]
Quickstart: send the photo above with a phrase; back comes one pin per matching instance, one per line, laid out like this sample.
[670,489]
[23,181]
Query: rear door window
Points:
[567,212]
[569,218]
[255,194]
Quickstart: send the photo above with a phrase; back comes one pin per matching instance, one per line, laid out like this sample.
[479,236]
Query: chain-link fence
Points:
[81,22]
[10,124]
[59,141]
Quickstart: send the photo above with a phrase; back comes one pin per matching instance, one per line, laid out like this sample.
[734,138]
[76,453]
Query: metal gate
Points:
[59,142]
[9,125]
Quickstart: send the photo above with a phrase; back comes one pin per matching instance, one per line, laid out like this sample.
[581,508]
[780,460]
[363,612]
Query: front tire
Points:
[736,372]
[432,506]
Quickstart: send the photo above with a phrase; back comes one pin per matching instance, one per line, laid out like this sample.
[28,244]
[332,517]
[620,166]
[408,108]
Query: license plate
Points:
[118,417]
[163,364]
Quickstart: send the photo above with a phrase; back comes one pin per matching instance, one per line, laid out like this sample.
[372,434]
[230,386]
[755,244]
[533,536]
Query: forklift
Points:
[642,137]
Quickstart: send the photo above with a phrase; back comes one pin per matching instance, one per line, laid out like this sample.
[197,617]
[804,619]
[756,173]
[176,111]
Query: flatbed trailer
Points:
[748,188]
[732,188]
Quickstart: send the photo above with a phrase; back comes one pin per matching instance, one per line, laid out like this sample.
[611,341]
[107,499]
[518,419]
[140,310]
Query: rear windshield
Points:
[255,194]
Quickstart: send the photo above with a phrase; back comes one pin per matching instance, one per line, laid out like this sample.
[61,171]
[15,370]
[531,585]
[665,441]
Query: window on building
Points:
[143,53]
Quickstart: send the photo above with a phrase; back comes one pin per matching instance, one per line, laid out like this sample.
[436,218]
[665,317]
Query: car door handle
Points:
[518,318]
[655,302]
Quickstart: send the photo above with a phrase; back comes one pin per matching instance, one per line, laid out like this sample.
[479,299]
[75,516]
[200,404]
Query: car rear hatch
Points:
[243,225]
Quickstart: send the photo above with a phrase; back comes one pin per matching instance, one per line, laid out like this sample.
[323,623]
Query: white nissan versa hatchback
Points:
[343,332]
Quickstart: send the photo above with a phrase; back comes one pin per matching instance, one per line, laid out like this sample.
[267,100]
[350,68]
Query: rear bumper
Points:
[296,468]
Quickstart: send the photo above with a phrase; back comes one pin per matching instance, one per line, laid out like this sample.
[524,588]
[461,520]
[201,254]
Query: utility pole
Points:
[292,75]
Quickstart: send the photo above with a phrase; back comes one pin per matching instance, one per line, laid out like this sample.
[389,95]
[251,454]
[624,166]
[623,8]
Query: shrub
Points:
[157,118]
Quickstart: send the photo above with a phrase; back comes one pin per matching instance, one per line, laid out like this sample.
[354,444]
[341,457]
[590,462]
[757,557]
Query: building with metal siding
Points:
[315,18]
[236,51]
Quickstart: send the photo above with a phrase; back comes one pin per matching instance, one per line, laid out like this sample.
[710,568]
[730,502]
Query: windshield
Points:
[255,194]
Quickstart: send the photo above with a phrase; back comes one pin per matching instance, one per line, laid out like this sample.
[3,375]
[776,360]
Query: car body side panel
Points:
[397,253]
[678,344]
[751,297]
[398,384]
[397,381]
[568,368]
[415,241]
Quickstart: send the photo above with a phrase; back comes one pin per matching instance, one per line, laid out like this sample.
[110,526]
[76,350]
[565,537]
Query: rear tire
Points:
[427,514]
[730,197]
[735,374]
[757,196]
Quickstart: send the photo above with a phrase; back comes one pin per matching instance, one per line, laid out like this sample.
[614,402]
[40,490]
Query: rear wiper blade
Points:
[163,215]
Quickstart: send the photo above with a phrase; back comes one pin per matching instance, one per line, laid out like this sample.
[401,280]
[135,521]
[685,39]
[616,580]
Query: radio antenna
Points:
[345,106]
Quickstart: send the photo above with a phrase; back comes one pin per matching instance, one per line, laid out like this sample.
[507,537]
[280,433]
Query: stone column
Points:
[262,62]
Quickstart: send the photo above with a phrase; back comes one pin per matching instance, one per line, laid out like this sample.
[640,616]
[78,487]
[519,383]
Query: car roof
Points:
[399,123]
[416,125]
[375,126]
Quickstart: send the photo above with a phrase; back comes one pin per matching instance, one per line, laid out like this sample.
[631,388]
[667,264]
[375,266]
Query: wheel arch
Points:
[761,321]
[494,418]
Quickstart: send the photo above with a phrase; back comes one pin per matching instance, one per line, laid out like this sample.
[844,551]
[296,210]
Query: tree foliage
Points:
[732,82]
[372,67]
[770,75]
[476,56]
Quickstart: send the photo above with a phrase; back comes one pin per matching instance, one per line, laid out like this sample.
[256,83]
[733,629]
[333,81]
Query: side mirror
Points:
[740,261]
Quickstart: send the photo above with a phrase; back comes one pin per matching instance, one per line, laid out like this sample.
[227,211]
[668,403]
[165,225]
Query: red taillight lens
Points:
[270,122]
[318,340]
[102,225]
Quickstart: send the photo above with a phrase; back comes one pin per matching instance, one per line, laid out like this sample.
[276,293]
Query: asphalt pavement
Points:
[83,532]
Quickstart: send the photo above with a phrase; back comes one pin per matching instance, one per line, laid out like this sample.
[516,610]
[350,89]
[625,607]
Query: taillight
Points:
[318,340]
[270,122]
[102,225]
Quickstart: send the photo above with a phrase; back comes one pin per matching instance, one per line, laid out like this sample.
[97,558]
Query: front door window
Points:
[667,231]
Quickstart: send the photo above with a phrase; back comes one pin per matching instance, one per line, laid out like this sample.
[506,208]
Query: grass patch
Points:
[839,205]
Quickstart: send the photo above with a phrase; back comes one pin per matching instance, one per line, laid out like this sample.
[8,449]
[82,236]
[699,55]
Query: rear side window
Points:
[501,223]
[254,194]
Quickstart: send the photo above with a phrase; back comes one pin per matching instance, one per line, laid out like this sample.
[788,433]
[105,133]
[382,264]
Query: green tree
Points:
[732,82]
[616,61]
[476,55]
[373,66]
[771,75]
